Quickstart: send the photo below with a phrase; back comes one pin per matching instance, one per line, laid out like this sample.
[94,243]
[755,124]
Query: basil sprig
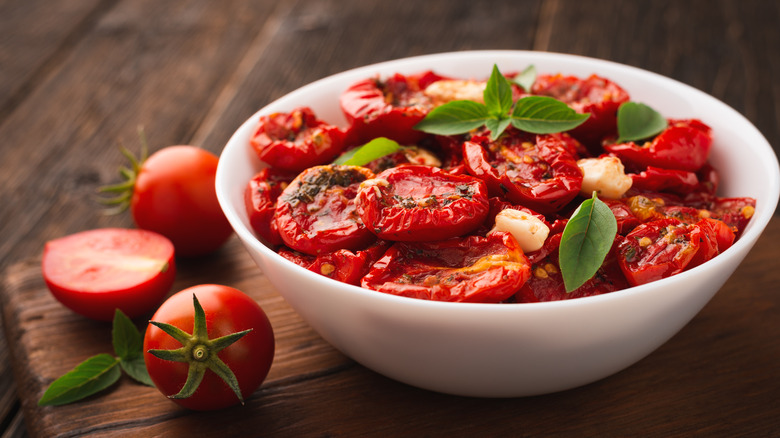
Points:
[637,121]
[534,114]
[103,370]
[374,149]
[585,242]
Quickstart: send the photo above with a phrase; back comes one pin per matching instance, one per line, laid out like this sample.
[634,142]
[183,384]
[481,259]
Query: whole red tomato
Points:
[97,271]
[226,313]
[174,195]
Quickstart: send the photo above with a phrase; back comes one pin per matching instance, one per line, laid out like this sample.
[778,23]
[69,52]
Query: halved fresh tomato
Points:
[98,271]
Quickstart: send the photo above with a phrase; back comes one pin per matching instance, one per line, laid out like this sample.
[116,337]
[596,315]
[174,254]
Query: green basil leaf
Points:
[498,94]
[374,149]
[128,341]
[637,121]
[452,118]
[585,242]
[545,115]
[89,377]
[136,368]
[497,126]
[526,78]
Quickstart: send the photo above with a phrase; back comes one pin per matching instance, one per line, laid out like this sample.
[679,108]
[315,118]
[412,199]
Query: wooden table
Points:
[78,76]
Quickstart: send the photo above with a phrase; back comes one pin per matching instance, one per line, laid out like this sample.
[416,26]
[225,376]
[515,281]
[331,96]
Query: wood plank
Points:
[9,405]
[720,47]
[150,63]
[35,36]
[314,39]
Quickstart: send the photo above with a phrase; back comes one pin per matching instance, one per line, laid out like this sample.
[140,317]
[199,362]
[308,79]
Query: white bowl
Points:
[509,350]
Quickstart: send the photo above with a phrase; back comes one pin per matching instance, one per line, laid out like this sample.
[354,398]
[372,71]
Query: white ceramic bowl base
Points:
[509,350]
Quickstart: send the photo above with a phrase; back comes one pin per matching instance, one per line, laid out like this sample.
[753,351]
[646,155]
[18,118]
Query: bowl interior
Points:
[746,161]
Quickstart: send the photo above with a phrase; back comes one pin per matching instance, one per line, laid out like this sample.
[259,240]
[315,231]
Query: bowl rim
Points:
[756,226]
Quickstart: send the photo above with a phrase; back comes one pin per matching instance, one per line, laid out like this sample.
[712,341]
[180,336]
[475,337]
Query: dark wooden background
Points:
[79,76]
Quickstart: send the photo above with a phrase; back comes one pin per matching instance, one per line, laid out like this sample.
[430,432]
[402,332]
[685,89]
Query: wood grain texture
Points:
[78,77]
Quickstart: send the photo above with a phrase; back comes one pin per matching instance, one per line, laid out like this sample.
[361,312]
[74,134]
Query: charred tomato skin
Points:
[388,107]
[316,213]
[469,269]
[422,203]
[260,198]
[296,140]
[539,172]
[683,145]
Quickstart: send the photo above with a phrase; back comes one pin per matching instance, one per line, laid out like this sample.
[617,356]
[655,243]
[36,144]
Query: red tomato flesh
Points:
[95,272]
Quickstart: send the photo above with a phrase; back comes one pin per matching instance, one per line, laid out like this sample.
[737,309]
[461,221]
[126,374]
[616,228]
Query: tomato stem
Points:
[200,353]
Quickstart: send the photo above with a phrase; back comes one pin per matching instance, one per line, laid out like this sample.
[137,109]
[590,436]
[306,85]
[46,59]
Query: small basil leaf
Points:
[637,121]
[585,242]
[89,377]
[374,149]
[498,94]
[452,118]
[136,368]
[545,115]
[497,126]
[128,341]
[526,78]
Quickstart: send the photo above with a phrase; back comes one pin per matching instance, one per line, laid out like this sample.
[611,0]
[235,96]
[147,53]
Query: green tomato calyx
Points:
[200,353]
[121,194]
